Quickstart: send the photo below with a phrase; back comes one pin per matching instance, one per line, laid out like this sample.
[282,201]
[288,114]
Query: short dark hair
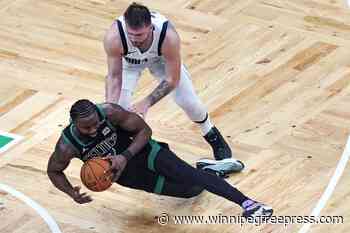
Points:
[137,16]
[81,109]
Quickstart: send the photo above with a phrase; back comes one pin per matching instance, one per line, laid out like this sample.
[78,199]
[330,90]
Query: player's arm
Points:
[130,122]
[171,52]
[114,50]
[58,162]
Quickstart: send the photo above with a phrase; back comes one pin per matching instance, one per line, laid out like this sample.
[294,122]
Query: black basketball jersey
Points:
[110,139]
[139,172]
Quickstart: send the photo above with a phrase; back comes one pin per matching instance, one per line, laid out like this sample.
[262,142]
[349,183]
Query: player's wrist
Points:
[127,154]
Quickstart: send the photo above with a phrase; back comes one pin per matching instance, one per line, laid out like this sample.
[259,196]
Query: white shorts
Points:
[184,94]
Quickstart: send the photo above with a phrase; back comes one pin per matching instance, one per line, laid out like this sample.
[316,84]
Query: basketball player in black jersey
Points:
[140,162]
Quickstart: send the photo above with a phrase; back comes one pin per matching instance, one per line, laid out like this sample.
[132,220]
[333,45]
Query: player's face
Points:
[140,35]
[88,126]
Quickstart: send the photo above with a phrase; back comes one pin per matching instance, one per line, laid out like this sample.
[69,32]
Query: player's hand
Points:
[118,163]
[80,198]
[141,108]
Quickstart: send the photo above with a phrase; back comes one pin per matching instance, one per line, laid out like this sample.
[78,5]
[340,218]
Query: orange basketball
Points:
[95,174]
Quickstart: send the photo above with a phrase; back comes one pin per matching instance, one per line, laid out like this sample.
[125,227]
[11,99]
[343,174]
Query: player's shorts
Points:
[143,173]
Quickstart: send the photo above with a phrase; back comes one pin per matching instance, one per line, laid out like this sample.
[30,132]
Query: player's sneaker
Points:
[218,144]
[220,167]
[256,209]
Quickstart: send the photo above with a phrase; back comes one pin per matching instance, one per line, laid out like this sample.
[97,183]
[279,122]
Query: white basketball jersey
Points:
[133,55]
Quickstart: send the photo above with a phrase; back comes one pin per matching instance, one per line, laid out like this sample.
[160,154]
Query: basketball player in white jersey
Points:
[141,39]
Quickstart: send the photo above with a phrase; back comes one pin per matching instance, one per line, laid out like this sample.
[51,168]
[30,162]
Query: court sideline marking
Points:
[40,210]
[331,186]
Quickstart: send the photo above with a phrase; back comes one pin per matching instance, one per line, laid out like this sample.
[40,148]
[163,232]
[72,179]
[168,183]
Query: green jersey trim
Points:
[159,185]
[153,154]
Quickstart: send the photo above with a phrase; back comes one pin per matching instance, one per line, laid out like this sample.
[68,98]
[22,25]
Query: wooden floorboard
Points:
[274,75]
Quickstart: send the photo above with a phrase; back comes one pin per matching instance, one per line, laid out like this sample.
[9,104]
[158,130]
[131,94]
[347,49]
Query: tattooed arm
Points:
[161,90]
[171,53]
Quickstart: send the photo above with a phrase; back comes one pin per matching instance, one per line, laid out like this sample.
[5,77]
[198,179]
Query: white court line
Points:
[331,186]
[40,210]
[16,139]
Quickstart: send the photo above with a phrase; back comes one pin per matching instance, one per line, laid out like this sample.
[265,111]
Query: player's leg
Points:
[138,175]
[182,190]
[171,166]
[174,168]
[172,187]
[185,97]
[130,77]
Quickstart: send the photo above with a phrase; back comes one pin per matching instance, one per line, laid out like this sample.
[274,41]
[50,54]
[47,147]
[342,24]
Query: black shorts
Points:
[157,171]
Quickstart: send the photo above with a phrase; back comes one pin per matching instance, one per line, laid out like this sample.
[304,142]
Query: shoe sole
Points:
[232,165]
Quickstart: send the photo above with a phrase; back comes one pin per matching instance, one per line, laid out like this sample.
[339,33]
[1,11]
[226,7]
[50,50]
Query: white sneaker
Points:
[256,209]
[220,167]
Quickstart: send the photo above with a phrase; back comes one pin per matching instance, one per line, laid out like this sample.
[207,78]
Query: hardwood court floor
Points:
[275,75]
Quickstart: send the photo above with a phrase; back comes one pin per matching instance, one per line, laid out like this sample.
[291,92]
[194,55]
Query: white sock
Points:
[206,126]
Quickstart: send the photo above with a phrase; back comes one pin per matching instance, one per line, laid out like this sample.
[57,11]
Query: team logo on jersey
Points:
[103,148]
[106,131]
[136,61]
